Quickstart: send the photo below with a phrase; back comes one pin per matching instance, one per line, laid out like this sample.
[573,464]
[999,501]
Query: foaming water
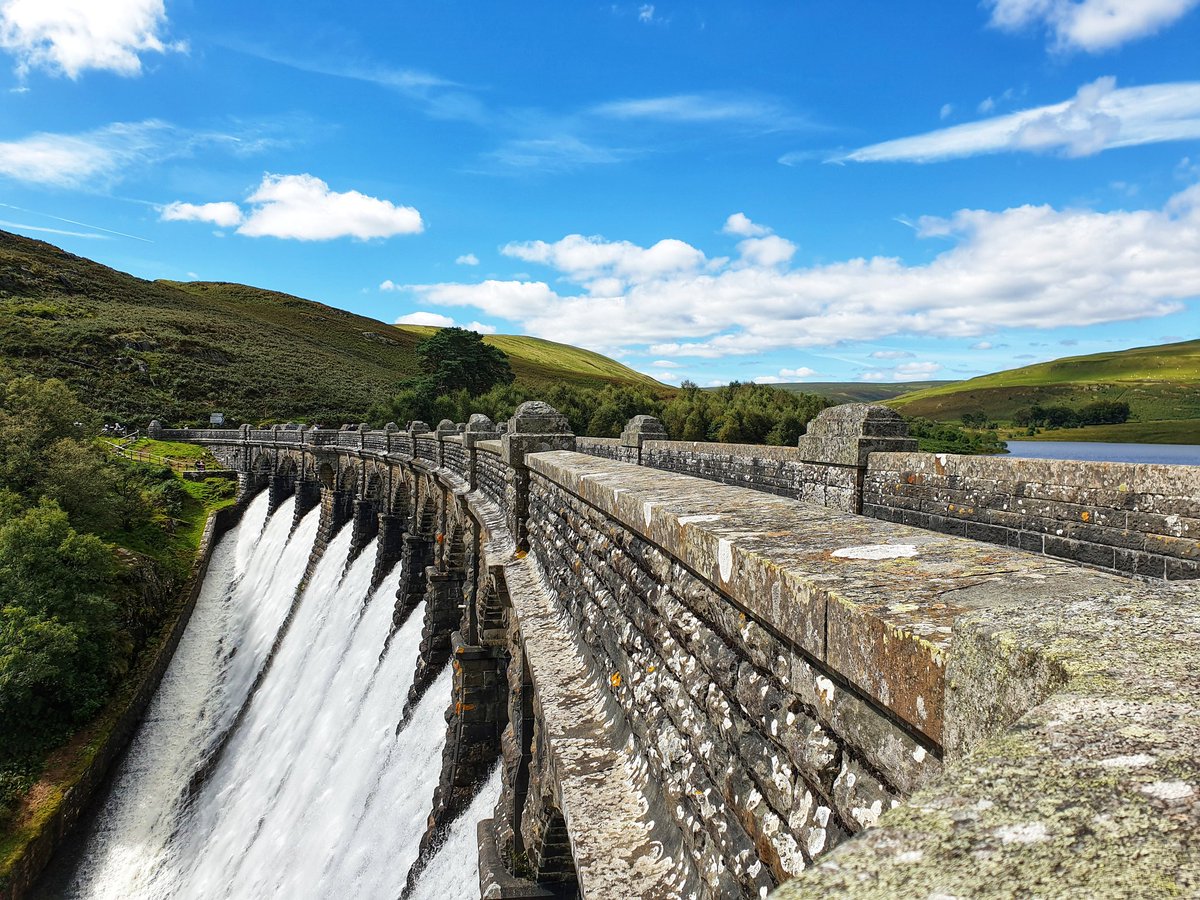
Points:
[269,764]
[221,650]
[454,871]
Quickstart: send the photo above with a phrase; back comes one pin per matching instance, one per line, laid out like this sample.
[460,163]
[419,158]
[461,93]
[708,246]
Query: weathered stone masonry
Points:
[699,690]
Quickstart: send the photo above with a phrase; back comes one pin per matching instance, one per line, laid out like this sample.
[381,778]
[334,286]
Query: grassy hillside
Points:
[858,391]
[535,360]
[1159,383]
[135,349]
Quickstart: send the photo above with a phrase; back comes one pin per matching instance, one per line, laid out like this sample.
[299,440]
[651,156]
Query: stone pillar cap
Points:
[416,426]
[480,422]
[846,435]
[538,417]
[391,426]
[642,428]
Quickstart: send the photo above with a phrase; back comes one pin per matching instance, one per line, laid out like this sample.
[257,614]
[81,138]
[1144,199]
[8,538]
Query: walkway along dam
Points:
[708,670]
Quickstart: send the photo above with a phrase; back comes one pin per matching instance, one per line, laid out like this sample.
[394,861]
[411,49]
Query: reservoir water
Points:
[269,764]
[1168,454]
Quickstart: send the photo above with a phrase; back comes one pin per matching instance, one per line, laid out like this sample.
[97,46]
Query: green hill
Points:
[135,349]
[1159,383]
[540,361]
[858,391]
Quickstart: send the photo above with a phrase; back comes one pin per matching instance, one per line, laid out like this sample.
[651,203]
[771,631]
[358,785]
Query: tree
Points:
[456,359]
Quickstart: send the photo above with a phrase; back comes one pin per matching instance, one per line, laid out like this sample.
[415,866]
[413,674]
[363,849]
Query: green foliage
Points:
[74,609]
[1098,413]
[58,630]
[455,359]
[941,437]
[741,414]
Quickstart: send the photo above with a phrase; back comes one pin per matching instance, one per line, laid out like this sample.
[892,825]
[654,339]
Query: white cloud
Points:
[1099,117]
[225,214]
[426,318]
[646,13]
[982,345]
[785,376]
[740,224]
[915,370]
[768,251]
[946,111]
[891,354]
[1026,267]
[605,266]
[987,105]
[480,327]
[70,36]
[303,207]
[467,259]
[92,158]
[1091,25]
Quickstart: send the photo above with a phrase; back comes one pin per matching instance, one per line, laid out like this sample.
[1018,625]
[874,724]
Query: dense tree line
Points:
[1102,412]
[73,609]
[942,437]
[737,413]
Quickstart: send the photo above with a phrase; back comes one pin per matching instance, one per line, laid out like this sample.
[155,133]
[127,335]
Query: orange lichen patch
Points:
[615,680]
[1085,515]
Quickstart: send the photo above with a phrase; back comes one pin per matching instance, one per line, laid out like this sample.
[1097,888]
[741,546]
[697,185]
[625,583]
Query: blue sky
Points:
[762,191]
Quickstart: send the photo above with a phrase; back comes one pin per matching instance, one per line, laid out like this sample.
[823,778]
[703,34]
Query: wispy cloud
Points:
[59,231]
[1091,25]
[761,113]
[68,37]
[559,153]
[1099,117]
[98,158]
[438,97]
[72,160]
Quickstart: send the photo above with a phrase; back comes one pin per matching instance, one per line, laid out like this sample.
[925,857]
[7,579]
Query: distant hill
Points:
[858,391]
[1159,383]
[135,349]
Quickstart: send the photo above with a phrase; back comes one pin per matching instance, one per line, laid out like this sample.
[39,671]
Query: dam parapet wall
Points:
[699,688]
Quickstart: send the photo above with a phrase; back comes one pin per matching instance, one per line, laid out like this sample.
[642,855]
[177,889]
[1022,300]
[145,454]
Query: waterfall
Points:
[454,871]
[305,789]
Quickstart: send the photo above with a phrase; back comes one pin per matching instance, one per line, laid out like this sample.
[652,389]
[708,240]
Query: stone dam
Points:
[842,669]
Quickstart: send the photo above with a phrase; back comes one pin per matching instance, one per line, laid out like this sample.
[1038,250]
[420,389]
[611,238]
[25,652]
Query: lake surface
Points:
[1170,454]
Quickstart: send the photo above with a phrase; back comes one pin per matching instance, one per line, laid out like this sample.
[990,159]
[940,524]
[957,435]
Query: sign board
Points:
[216,418]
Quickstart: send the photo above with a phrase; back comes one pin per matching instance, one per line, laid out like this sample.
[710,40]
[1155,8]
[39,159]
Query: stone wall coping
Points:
[709,448]
[1150,478]
[598,441]
[492,446]
[1095,791]
[452,438]
[875,602]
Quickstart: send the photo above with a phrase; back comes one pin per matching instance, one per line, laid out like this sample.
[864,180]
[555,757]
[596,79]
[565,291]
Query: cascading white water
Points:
[313,793]
[453,871]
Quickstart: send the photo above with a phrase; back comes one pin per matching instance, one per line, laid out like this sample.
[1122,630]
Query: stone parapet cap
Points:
[1096,790]
[876,603]
[1146,478]
[488,446]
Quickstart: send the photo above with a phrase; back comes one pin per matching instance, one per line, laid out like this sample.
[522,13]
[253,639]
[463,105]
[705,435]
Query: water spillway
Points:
[269,763]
